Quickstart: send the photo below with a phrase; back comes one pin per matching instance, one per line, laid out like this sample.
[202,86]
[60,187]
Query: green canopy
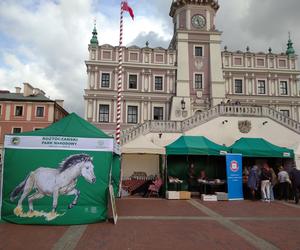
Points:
[258,147]
[195,145]
[71,125]
[71,156]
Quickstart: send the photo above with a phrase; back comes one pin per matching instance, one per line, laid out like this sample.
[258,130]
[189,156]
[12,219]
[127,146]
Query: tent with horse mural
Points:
[59,175]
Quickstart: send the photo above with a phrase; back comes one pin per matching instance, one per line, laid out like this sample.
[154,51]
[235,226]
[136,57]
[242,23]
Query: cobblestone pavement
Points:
[164,224]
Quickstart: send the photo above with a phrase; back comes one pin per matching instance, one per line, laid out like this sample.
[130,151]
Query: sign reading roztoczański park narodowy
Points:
[56,179]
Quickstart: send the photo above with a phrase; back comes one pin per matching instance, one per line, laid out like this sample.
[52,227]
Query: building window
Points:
[261,87]
[282,63]
[36,129]
[283,88]
[103,113]
[238,86]
[198,81]
[159,58]
[105,78]
[107,55]
[19,111]
[158,113]
[285,112]
[133,56]
[16,130]
[0,109]
[260,62]
[39,111]
[132,114]
[198,51]
[158,83]
[238,61]
[132,81]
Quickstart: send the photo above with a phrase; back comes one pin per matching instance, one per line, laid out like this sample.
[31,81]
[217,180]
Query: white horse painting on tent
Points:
[55,182]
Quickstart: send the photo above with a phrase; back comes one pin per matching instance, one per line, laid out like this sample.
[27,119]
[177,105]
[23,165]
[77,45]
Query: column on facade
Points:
[85,109]
[253,80]
[90,109]
[230,79]
[149,111]
[143,80]
[246,77]
[188,18]
[89,78]
[250,82]
[94,110]
[226,84]
[142,111]
[276,85]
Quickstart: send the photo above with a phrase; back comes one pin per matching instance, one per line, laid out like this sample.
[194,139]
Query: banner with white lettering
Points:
[60,143]
[234,176]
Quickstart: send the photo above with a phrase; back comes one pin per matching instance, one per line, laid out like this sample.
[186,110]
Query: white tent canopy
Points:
[142,145]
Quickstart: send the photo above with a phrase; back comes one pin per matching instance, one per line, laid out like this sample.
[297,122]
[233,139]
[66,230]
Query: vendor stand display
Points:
[59,175]
[196,149]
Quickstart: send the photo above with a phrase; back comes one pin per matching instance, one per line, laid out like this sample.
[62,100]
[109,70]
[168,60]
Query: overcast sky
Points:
[44,42]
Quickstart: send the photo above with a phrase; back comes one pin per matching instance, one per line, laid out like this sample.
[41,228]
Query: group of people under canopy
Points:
[195,159]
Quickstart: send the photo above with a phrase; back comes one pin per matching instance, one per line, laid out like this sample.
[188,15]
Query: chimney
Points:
[60,103]
[28,89]
[18,90]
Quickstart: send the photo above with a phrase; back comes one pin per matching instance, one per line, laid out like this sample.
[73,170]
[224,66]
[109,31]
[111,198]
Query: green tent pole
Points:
[121,177]
[166,172]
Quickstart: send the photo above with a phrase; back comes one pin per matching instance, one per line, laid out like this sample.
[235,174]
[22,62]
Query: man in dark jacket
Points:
[295,178]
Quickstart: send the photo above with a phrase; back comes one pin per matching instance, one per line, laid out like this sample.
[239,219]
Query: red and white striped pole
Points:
[120,69]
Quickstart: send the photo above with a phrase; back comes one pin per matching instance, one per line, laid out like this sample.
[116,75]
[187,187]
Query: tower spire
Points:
[290,49]
[94,40]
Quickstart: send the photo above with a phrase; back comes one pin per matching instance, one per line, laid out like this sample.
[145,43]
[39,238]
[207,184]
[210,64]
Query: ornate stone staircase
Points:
[201,118]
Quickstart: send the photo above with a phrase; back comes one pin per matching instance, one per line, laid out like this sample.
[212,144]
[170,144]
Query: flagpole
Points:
[120,69]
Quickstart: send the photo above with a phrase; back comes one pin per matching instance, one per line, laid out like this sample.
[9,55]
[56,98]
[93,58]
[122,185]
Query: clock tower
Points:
[200,84]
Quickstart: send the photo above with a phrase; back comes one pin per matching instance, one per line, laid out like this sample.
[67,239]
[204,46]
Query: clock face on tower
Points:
[198,21]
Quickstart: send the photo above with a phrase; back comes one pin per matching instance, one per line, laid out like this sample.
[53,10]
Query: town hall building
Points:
[194,87]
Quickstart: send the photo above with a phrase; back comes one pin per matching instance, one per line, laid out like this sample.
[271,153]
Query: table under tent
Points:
[59,175]
[256,151]
[198,150]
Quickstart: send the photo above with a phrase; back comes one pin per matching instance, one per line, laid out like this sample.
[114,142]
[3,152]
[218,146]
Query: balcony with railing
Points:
[203,117]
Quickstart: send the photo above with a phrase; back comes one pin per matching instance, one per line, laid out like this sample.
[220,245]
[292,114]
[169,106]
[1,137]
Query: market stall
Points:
[137,175]
[59,175]
[257,151]
[206,156]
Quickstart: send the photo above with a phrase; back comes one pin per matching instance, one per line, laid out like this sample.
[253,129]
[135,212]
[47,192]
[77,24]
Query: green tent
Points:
[62,172]
[258,147]
[195,145]
[204,153]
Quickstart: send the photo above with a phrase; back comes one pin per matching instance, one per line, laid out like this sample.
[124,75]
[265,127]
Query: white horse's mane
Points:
[73,160]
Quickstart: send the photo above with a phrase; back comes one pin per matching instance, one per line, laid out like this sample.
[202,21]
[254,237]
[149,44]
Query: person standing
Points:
[265,177]
[273,183]
[253,181]
[295,178]
[191,176]
[284,183]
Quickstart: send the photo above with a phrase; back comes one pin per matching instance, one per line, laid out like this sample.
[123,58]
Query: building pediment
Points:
[106,46]
[134,47]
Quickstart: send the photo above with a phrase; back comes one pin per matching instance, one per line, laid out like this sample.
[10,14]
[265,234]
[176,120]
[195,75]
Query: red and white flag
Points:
[127,8]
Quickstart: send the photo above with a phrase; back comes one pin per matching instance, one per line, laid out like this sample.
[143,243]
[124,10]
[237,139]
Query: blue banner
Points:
[234,167]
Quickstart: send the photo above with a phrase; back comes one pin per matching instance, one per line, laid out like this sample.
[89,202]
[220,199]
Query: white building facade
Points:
[194,87]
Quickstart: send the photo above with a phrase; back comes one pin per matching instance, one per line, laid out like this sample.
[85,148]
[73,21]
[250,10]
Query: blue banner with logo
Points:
[234,169]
